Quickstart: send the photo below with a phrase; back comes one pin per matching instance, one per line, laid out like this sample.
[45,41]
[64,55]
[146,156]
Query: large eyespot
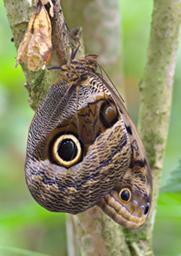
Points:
[125,195]
[66,150]
[108,114]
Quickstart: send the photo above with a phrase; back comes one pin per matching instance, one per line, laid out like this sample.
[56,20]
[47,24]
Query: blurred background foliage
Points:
[26,228]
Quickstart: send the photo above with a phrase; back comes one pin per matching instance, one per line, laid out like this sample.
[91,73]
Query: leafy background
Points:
[25,227]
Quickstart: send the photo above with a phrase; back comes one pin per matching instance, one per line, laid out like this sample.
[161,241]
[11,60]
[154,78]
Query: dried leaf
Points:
[44,2]
[35,48]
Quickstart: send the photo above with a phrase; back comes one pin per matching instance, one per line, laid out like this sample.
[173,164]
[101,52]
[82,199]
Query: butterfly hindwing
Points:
[83,149]
[129,202]
[77,145]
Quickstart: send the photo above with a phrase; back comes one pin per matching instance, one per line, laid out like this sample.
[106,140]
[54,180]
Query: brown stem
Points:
[156,94]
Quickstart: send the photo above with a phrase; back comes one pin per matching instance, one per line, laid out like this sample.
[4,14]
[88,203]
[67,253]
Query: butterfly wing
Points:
[77,146]
[129,202]
[83,149]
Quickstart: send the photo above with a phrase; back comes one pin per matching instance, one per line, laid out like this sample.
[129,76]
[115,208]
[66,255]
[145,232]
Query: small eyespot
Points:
[66,150]
[147,207]
[108,114]
[125,195]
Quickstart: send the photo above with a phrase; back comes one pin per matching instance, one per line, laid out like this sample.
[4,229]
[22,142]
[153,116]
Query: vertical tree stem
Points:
[155,105]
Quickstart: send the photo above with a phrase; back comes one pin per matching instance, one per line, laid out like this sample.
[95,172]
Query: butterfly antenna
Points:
[75,35]
[77,108]
[74,51]
[108,80]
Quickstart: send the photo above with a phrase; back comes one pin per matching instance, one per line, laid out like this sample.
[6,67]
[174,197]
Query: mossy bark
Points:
[95,233]
[156,92]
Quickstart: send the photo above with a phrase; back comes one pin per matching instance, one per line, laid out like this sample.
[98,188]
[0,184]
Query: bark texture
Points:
[156,92]
[92,232]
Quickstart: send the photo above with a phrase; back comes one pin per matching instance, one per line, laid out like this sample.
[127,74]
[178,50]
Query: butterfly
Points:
[84,150]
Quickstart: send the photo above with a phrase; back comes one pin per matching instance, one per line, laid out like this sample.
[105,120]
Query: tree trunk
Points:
[95,233]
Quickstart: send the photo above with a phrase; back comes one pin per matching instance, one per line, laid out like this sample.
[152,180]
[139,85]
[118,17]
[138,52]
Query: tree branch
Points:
[155,106]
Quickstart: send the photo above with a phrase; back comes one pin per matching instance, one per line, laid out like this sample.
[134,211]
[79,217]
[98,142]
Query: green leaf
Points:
[169,206]
[173,181]
[25,214]
[12,251]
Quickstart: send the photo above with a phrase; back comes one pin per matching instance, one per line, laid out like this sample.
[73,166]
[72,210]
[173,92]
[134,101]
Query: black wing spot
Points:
[129,130]
[138,163]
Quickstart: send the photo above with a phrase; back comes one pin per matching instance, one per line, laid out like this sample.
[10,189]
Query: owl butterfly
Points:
[84,150]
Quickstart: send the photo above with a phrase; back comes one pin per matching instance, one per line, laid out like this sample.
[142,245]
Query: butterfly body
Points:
[83,150]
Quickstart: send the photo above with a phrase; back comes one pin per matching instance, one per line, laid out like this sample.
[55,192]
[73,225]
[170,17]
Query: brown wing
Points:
[77,147]
[129,202]
[105,160]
